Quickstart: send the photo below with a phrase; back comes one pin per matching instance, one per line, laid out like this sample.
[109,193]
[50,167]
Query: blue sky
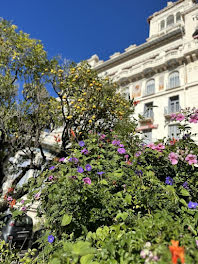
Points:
[77,29]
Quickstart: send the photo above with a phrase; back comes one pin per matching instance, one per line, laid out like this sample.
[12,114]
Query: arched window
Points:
[173,80]
[178,17]
[170,21]
[162,24]
[150,87]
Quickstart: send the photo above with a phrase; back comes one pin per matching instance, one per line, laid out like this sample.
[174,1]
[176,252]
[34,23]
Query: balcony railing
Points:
[147,116]
[172,110]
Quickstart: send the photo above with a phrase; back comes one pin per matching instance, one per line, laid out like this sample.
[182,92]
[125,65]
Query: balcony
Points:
[168,111]
[147,116]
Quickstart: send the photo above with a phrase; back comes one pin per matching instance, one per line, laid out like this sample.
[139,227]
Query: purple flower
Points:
[139,172]
[87,180]
[62,159]
[22,201]
[80,170]
[169,180]
[50,239]
[88,167]
[84,151]
[74,160]
[121,150]
[52,168]
[23,208]
[185,185]
[103,136]
[100,172]
[81,143]
[73,177]
[37,196]
[137,154]
[116,142]
[121,146]
[192,205]
[50,178]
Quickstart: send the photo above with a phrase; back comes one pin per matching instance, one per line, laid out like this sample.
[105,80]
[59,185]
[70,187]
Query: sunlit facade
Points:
[162,73]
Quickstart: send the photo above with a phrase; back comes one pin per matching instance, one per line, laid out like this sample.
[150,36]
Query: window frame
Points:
[170,20]
[173,80]
[150,87]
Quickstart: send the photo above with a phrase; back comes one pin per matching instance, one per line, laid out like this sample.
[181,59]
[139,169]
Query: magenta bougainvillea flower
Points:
[180,117]
[173,157]
[87,180]
[193,118]
[191,159]
[121,150]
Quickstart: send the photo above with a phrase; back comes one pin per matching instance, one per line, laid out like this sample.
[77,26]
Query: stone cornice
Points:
[145,47]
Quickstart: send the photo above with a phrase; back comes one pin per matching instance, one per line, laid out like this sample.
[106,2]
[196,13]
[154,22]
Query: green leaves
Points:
[66,220]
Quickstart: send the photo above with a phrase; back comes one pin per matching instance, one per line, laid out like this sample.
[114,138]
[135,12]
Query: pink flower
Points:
[37,196]
[180,117]
[23,208]
[173,116]
[50,178]
[191,159]
[159,147]
[87,180]
[151,145]
[9,198]
[173,157]
[194,118]
[22,201]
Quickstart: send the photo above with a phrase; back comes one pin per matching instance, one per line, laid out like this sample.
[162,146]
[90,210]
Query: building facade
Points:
[162,73]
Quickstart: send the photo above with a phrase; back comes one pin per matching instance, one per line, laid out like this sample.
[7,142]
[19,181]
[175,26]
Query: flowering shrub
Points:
[110,203]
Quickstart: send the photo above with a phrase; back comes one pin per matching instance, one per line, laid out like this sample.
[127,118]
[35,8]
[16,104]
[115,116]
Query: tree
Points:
[86,102]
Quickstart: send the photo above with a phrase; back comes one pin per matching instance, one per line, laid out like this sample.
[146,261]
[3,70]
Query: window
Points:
[150,87]
[173,131]
[162,24]
[173,105]
[173,80]
[178,17]
[126,93]
[147,136]
[170,21]
[148,110]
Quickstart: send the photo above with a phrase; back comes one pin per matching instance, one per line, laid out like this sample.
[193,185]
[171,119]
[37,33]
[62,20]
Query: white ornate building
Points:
[162,73]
